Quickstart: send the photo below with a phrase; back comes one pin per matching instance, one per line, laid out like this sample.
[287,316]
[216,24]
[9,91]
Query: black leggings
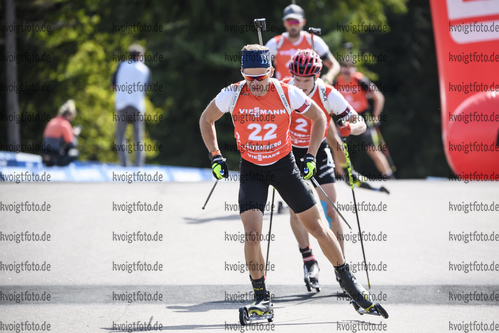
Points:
[283,175]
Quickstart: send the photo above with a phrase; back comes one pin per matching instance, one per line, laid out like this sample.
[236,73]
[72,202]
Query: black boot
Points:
[311,270]
[261,304]
[349,284]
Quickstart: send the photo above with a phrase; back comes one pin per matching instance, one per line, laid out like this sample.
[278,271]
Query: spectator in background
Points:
[60,139]
[283,47]
[129,82]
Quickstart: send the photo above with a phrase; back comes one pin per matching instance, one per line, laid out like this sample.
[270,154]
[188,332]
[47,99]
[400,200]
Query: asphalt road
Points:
[429,273]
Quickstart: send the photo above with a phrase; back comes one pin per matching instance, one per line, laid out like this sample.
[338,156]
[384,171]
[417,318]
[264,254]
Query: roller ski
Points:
[359,296]
[262,307]
[361,182]
[376,310]
[366,186]
[311,270]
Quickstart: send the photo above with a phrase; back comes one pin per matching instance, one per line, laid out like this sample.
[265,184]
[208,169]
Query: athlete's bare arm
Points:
[378,100]
[207,125]
[318,127]
[357,123]
[333,138]
[357,126]
[334,68]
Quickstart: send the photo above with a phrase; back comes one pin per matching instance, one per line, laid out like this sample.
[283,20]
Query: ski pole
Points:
[340,123]
[260,26]
[270,230]
[209,195]
[330,201]
[314,31]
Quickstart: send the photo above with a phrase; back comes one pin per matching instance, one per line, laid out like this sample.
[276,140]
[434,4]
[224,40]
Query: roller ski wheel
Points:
[312,276]
[358,294]
[243,316]
[310,284]
[376,310]
[383,189]
[246,318]
[271,319]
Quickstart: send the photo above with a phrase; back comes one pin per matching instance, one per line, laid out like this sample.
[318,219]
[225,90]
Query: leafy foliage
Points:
[196,54]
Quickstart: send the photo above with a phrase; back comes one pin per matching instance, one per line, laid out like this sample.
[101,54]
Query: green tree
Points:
[199,45]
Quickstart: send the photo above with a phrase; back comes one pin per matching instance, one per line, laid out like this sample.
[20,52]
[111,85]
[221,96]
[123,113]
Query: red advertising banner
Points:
[467,45]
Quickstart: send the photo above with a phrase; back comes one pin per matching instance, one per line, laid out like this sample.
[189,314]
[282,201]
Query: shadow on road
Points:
[261,325]
[217,305]
[218,327]
[193,220]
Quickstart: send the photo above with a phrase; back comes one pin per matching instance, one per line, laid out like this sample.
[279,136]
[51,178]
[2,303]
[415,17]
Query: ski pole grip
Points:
[260,24]
[315,31]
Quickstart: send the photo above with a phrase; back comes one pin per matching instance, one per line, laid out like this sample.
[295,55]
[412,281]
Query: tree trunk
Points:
[13,130]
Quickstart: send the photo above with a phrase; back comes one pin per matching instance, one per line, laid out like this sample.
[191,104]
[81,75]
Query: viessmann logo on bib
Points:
[256,112]
[289,52]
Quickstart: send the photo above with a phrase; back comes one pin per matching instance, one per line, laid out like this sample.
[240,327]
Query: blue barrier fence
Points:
[22,167]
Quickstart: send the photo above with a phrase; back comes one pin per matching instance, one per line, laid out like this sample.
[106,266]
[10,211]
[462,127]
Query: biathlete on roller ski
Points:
[256,97]
[305,66]
[357,90]
[282,48]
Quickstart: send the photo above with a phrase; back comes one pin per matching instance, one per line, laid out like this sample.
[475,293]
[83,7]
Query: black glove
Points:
[219,167]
